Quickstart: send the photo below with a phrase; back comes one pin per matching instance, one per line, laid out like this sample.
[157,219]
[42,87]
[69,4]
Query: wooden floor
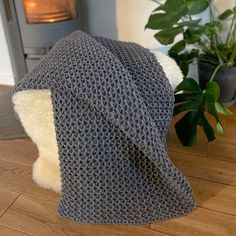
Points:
[26,209]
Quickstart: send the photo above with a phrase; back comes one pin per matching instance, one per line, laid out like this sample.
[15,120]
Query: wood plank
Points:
[6,199]
[203,168]
[18,178]
[198,150]
[202,222]
[21,151]
[5,231]
[222,151]
[4,88]
[214,196]
[213,180]
[231,120]
[39,217]
[229,127]
[229,130]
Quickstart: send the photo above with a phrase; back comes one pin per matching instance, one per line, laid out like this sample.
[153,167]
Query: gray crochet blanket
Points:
[112,106]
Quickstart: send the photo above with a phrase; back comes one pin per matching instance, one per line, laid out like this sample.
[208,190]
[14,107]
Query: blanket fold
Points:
[112,106]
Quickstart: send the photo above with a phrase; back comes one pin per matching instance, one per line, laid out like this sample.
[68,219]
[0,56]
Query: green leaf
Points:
[219,25]
[184,97]
[178,47]
[182,61]
[160,8]
[193,34]
[234,10]
[212,91]
[222,109]
[195,103]
[167,36]
[212,28]
[172,6]
[160,21]
[186,106]
[210,58]
[177,5]
[189,23]
[204,48]
[186,129]
[223,51]
[232,58]
[192,54]
[197,6]
[211,109]
[208,130]
[219,129]
[184,66]
[226,14]
[188,84]
[174,10]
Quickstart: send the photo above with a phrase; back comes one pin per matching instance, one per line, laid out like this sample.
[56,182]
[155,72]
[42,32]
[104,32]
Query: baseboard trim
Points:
[7,79]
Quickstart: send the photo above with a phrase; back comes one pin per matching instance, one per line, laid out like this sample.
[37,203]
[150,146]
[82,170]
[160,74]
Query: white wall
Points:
[120,19]
[130,20]
[6,74]
[224,4]
[132,16]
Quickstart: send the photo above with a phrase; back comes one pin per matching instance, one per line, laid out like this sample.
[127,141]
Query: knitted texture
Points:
[112,106]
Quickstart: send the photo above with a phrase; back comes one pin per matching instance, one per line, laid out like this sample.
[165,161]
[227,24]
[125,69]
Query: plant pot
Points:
[225,77]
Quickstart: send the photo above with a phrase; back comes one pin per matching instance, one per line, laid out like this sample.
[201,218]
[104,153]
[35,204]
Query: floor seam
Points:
[9,227]
[161,231]
[225,213]
[232,185]
[10,205]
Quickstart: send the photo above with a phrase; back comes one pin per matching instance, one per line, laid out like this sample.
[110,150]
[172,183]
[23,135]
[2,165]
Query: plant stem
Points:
[215,72]
[190,17]
[215,40]
[213,20]
[230,30]
[234,32]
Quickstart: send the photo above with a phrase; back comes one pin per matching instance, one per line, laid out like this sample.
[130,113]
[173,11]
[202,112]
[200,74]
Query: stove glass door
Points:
[49,11]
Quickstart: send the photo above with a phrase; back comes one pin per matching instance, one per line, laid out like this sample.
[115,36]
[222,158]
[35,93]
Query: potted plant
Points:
[216,57]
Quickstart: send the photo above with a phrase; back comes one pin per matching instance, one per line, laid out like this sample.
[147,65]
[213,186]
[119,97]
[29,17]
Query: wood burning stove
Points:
[44,11]
[33,26]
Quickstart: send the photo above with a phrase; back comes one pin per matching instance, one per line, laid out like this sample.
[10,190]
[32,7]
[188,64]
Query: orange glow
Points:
[45,11]
[32,4]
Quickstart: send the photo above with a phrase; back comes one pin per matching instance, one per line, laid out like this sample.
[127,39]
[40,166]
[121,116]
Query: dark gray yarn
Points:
[112,106]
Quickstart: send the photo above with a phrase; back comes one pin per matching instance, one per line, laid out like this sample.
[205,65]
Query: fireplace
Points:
[33,26]
[44,11]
